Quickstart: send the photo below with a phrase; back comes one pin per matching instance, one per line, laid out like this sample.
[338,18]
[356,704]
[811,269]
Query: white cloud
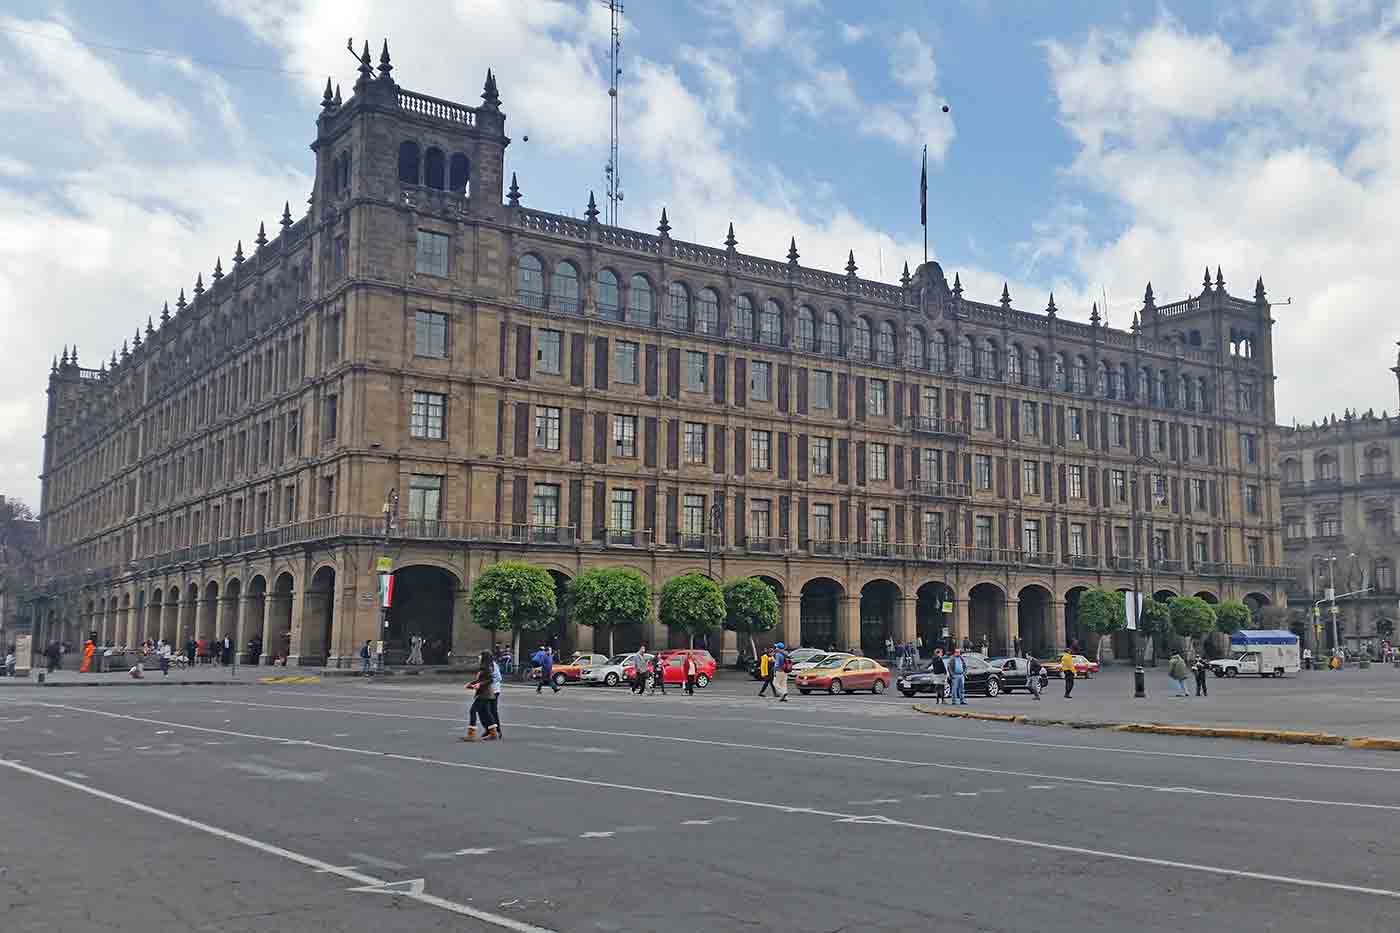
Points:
[852,33]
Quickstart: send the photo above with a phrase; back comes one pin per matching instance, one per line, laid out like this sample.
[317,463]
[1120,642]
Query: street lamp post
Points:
[391,511]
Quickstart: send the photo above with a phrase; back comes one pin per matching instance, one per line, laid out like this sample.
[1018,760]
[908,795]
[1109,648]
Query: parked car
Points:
[844,675]
[1083,667]
[673,665]
[1014,672]
[814,660]
[611,672]
[981,677]
[572,672]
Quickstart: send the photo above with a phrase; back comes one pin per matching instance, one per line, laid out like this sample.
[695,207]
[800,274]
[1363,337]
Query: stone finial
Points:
[164,313]
[793,255]
[1050,311]
[366,68]
[1005,296]
[338,101]
[199,284]
[328,98]
[1219,280]
[513,195]
[63,360]
[1206,282]
[905,278]
[286,220]
[1259,293]
[180,303]
[54,367]
[664,227]
[730,241]
[150,328]
[1147,300]
[126,351]
[957,285]
[114,359]
[136,341]
[592,212]
[1137,327]
[261,238]
[490,96]
[1094,318]
[384,66]
[851,266]
[218,268]
[238,254]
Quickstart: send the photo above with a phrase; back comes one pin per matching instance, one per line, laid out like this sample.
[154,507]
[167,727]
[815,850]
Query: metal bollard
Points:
[1139,684]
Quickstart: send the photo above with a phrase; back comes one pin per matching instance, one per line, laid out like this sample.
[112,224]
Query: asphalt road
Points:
[353,806]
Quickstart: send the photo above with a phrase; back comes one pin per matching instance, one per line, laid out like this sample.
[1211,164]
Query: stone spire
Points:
[1147,300]
[238,254]
[794,255]
[592,212]
[1137,327]
[513,195]
[1206,282]
[261,239]
[1094,318]
[730,241]
[328,98]
[218,268]
[1005,296]
[366,68]
[384,66]
[1050,308]
[1259,293]
[164,314]
[180,303]
[490,96]
[664,227]
[957,285]
[199,284]
[905,278]
[136,341]
[1219,280]
[286,220]
[150,330]
[54,367]
[337,97]
[126,352]
[114,359]
[851,264]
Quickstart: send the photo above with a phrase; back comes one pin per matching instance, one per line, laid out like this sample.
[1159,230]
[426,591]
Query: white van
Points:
[1268,654]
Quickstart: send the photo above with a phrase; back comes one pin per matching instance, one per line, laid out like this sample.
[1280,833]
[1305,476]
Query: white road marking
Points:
[635,829]
[316,864]
[1040,787]
[991,790]
[278,774]
[871,803]
[965,793]
[697,822]
[486,851]
[929,796]
[76,775]
[410,888]
[542,841]
[594,834]
[1099,783]
[58,754]
[164,731]
[828,727]
[376,861]
[1019,843]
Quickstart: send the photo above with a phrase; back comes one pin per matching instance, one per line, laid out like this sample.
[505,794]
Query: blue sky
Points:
[1089,148]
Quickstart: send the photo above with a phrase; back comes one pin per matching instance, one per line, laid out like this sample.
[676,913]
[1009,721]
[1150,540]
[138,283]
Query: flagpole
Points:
[923,199]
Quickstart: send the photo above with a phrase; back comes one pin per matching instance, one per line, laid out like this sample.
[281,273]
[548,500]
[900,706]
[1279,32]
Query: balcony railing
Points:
[1084,561]
[939,426]
[687,542]
[756,544]
[1126,564]
[1164,565]
[626,537]
[938,489]
[878,550]
[1038,558]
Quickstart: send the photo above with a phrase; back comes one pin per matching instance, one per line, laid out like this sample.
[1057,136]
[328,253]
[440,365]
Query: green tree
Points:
[692,603]
[1192,617]
[606,597]
[513,596]
[1231,616]
[750,606]
[1156,624]
[1102,612]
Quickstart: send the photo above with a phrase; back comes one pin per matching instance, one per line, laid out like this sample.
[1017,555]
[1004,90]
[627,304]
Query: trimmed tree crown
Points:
[750,605]
[692,603]
[513,594]
[1233,615]
[1192,617]
[609,596]
[1103,612]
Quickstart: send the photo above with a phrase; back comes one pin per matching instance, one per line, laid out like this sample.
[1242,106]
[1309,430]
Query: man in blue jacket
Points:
[544,660]
[957,674]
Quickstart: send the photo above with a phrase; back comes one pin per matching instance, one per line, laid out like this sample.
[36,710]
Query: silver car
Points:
[613,672]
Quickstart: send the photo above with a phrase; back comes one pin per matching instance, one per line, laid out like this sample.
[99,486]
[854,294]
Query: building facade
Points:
[1340,497]
[424,370]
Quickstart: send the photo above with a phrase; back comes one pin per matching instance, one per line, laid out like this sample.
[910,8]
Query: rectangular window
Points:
[931,403]
[1030,536]
[1202,547]
[1077,540]
[625,435]
[821,389]
[982,412]
[1030,419]
[625,362]
[821,521]
[982,532]
[1119,430]
[429,334]
[1294,529]
[432,253]
[879,462]
[760,380]
[544,507]
[760,450]
[623,515]
[547,427]
[983,464]
[760,519]
[933,529]
[1251,500]
[424,497]
[693,516]
[695,434]
[1161,544]
[1076,424]
[1198,495]
[1076,481]
[1329,526]
[1030,477]
[1159,436]
[330,418]
[1121,545]
[428,419]
[1249,448]
[821,456]
[1119,479]
[1198,441]
[932,465]
[695,371]
[1254,551]
[1159,489]
[549,351]
[879,397]
[880,525]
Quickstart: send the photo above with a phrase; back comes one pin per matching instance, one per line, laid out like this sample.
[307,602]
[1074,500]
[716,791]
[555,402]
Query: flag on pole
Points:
[923,190]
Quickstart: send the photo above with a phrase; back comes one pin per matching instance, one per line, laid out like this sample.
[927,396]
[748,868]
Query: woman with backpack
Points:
[484,692]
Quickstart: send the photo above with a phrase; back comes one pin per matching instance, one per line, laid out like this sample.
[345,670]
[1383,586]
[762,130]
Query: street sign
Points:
[947,606]
[386,564]
[1317,612]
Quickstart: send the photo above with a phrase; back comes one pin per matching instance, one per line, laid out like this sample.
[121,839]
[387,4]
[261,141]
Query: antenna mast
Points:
[613,170]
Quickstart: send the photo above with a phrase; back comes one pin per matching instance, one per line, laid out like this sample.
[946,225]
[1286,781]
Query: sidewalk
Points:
[203,676]
[1350,703]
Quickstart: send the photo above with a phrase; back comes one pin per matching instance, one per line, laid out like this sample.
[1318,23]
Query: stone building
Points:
[424,370]
[1340,497]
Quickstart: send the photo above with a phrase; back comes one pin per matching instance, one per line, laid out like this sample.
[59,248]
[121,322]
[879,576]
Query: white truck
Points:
[1268,654]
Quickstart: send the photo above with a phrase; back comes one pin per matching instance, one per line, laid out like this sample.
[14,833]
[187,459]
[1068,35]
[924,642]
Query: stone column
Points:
[848,622]
[792,621]
[1057,625]
[1011,628]
[962,614]
[906,625]
[729,647]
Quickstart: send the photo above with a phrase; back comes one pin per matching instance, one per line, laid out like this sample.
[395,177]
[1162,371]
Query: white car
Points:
[814,660]
[614,671]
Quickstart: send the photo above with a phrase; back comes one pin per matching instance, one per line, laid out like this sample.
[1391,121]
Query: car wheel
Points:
[1231,672]
[835,687]
[560,680]
[611,680]
[1218,672]
[878,687]
[803,690]
[703,680]
[993,686]
[910,693]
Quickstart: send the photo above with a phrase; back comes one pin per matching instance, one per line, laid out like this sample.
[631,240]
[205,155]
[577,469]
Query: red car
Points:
[673,665]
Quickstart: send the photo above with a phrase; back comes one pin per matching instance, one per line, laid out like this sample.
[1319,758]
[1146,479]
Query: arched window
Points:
[806,329]
[1080,375]
[678,311]
[564,288]
[529,284]
[641,303]
[1144,387]
[1292,471]
[831,334]
[1203,394]
[459,173]
[1101,379]
[1325,466]
[1035,373]
[609,296]
[770,324]
[918,348]
[860,339]
[966,362]
[1058,376]
[1164,389]
[1377,462]
[938,352]
[885,344]
[743,318]
[987,358]
[408,162]
[434,169]
[707,312]
[1014,372]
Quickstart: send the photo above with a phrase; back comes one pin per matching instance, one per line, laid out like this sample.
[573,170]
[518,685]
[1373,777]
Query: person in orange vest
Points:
[88,650]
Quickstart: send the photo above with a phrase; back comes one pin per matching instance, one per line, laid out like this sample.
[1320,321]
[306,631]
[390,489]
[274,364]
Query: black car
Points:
[981,678]
[1013,673]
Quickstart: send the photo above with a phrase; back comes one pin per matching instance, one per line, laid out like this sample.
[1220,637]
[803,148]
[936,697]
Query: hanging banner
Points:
[1132,607]
[386,590]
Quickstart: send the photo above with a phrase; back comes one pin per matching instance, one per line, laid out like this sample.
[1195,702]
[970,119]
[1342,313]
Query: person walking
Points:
[364,658]
[639,671]
[544,660]
[765,672]
[482,697]
[957,677]
[1200,668]
[165,654]
[1176,670]
[1033,674]
[692,673]
[88,650]
[1067,672]
[780,672]
[658,675]
[497,682]
[938,667]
